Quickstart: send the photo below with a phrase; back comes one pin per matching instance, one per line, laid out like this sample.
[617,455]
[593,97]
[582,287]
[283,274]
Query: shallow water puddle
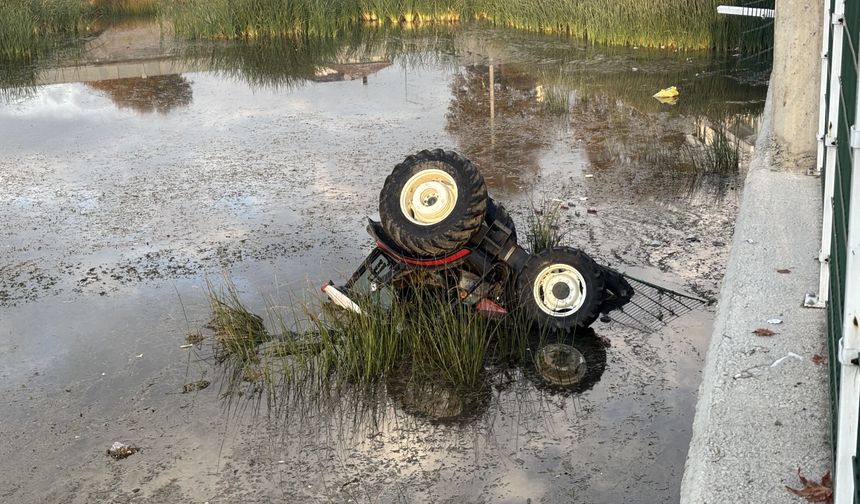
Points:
[121,196]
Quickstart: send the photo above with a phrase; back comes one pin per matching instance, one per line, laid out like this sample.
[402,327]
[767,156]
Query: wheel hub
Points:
[559,290]
[428,197]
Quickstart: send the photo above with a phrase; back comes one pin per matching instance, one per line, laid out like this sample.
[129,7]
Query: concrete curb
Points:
[763,407]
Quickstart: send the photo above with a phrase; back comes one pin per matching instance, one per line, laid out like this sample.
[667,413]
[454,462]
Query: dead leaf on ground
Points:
[783,270]
[814,491]
[818,358]
[763,331]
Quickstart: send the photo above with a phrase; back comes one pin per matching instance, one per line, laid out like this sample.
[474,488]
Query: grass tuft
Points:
[420,345]
[715,161]
[544,227]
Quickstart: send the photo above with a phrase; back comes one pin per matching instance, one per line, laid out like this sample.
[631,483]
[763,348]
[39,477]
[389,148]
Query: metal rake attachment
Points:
[652,306]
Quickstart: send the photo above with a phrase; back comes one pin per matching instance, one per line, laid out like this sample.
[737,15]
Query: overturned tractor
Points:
[438,222]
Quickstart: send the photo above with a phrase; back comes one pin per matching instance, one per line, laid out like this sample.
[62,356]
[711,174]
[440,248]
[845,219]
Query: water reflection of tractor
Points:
[572,367]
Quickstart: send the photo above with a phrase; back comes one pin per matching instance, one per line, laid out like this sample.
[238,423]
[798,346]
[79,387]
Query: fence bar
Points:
[822,104]
[849,352]
[833,118]
[849,343]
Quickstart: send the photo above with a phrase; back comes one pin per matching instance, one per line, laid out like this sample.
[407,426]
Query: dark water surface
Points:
[130,177]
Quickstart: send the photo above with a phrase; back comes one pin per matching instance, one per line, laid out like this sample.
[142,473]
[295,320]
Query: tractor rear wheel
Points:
[433,202]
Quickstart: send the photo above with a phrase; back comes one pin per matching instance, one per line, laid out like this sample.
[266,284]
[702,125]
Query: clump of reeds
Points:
[544,229]
[715,162]
[432,355]
[26,26]
[556,100]
[423,333]
[238,331]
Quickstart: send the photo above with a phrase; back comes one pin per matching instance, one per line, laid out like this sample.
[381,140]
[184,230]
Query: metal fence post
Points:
[822,104]
[829,133]
[849,345]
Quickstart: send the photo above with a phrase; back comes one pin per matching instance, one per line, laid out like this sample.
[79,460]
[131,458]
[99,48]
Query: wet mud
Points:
[122,199]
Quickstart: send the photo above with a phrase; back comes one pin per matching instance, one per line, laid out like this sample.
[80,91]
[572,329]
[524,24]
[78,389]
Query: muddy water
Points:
[122,195]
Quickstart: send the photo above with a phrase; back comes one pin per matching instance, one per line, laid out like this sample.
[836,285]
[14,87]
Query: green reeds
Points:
[544,227]
[422,350]
[238,331]
[28,26]
[659,23]
[715,161]
[124,8]
[422,336]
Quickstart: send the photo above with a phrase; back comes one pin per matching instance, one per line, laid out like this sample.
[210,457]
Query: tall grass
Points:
[26,26]
[693,25]
[423,344]
[31,27]
[423,334]
[124,8]
[715,161]
[544,230]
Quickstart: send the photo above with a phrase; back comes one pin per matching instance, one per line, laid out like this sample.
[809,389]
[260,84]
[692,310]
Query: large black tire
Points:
[564,297]
[497,212]
[449,234]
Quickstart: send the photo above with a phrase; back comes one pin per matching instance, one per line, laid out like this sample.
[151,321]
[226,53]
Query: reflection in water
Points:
[511,372]
[287,62]
[159,93]
[496,114]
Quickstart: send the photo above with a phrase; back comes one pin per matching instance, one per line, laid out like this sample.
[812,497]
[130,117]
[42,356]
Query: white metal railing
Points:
[830,143]
[849,344]
[828,116]
[734,10]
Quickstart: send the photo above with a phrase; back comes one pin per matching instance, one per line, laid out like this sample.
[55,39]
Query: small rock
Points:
[120,451]
[194,386]
[592,211]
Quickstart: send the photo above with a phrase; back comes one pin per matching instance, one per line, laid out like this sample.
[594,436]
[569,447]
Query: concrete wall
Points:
[795,80]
